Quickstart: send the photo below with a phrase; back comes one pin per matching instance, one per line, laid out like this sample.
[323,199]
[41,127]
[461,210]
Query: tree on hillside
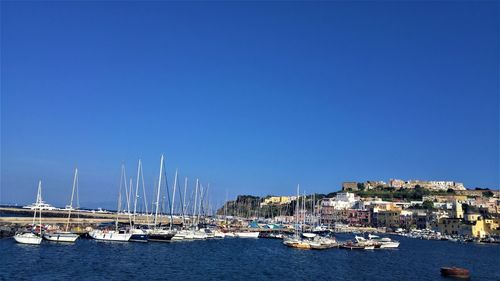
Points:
[429,205]
[488,194]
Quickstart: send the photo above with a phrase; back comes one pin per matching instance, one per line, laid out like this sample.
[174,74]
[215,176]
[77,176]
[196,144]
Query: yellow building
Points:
[477,226]
[473,225]
[278,200]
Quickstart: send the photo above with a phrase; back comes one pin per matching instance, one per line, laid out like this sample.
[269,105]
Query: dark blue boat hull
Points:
[139,238]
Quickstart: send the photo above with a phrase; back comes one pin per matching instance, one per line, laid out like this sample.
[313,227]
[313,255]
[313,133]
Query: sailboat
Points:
[138,234]
[65,236]
[160,234]
[114,235]
[296,241]
[31,237]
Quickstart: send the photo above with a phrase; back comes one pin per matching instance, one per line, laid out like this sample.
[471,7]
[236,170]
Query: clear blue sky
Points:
[252,97]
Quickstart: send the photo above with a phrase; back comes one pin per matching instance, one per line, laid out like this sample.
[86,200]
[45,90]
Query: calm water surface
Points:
[241,259]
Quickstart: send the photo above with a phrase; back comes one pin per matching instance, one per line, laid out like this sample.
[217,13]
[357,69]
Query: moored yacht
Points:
[384,242]
[65,236]
[111,235]
[28,238]
[61,236]
[161,235]
[138,235]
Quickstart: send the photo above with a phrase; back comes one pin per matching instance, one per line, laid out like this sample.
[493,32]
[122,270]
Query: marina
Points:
[239,259]
[249,140]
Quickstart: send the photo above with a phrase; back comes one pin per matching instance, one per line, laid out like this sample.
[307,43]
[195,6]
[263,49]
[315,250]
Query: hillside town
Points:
[445,208]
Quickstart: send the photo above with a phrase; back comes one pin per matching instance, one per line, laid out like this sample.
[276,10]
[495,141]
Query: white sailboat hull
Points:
[61,237]
[200,235]
[247,234]
[219,234]
[110,236]
[28,238]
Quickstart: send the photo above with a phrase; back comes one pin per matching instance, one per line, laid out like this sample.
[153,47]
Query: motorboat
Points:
[384,242]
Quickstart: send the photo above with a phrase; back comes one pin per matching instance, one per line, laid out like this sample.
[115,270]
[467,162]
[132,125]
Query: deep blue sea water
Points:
[241,259]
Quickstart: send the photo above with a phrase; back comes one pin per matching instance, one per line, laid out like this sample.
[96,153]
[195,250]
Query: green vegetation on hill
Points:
[390,193]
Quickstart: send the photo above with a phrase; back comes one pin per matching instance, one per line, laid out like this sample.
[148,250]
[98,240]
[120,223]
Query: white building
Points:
[342,201]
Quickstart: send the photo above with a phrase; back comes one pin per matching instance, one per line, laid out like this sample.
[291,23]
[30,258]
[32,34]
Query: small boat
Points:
[455,272]
[352,246]
[28,238]
[296,242]
[61,236]
[229,234]
[254,234]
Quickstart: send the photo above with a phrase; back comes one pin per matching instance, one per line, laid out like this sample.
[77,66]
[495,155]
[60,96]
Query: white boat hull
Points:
[61,237]
[218,234]
[111,236]
[389,245]
[247,234]
[28,238]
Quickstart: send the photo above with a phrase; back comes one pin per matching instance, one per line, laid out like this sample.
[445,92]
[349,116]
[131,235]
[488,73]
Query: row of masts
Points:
[194,213]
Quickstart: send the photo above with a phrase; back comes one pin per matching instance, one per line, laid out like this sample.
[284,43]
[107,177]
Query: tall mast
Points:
[40,213]
[144,194]
[304,211]
[184,201]
[200,202]
[195,201]
[136,189]
[36,202]
[122,180]
[75,178]
[129,201]
[173,200]
[158,191]
[225,210]
[297,212]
